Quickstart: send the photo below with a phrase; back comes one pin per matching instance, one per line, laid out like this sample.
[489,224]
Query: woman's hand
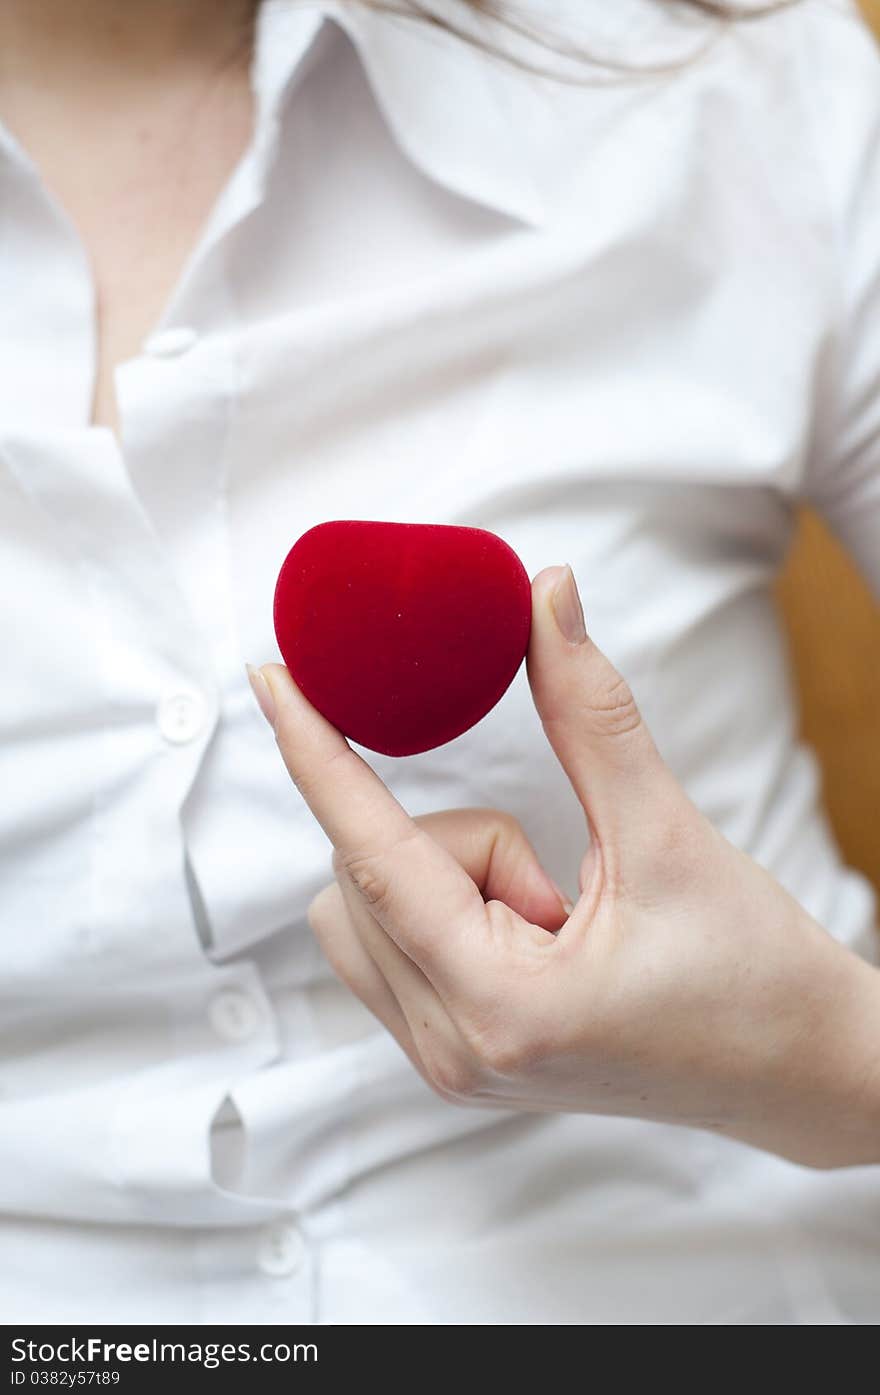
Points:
[686,985]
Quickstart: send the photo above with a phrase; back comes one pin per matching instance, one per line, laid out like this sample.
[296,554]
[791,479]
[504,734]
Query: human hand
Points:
[686,985]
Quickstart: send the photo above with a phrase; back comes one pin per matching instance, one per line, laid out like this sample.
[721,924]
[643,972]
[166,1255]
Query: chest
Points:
[365,345]
[137,185]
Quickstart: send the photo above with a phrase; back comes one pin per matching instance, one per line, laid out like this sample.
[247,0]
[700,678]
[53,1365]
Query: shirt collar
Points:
[464,118]
[460,115]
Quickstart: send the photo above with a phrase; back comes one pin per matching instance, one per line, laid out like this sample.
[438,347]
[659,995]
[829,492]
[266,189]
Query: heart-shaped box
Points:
[404,635]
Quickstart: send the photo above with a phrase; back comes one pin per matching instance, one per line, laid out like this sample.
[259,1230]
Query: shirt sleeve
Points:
[843,75]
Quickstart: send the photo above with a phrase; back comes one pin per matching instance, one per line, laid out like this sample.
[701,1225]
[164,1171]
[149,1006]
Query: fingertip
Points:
[566,904]
[274,673]
[556,607]
[262,692]
[562,907]
[321,905]
[545,903]
[279,683]
[568,613]
[546,581]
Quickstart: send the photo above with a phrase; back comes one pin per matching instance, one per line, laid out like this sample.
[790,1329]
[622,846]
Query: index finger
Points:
[417,892]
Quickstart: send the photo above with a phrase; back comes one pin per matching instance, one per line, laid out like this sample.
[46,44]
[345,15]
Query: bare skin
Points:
[685,985]
[136,115]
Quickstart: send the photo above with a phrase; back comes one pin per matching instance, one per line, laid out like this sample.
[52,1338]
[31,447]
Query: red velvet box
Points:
[404,635]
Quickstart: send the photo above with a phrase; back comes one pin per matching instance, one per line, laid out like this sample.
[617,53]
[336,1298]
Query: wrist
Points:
[853,1053]
[823,1106]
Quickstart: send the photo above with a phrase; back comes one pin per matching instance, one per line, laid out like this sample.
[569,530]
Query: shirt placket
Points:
[176,400]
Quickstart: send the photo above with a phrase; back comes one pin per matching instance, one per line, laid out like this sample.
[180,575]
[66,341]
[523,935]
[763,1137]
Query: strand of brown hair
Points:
[504,15]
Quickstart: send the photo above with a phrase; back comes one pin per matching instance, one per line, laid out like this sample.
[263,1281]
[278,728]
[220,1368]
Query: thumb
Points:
[588,712]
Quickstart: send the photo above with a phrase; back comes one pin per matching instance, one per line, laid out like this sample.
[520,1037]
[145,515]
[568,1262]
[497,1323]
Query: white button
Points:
[168,343]
[234,1015]
[282,1249]
[181,716]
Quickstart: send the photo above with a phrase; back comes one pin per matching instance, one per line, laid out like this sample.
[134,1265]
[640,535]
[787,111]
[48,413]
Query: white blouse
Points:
[623,323]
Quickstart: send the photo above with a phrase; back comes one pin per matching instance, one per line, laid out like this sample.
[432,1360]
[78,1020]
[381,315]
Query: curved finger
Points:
[376,971]
[447,1063]
[331,922]
[420,894]
[416,996]
[494,850]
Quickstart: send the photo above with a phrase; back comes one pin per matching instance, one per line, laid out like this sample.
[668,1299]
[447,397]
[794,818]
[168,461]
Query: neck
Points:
[39,37]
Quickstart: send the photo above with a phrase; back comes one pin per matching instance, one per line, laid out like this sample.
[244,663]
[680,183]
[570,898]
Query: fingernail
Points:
[262,693]
[567,609]
[567,906]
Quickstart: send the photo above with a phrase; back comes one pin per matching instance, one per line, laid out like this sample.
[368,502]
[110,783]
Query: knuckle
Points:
[497,1048]
[453,1075]
[368,874]
[506,823]
[612,705]
[504,1053]
[509,832]
[371,872]
[502,1048]
[331,930]
[333,951]
[320,912]
[334,938]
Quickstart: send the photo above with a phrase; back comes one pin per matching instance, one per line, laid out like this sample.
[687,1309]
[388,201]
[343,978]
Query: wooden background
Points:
[872,10]
[834,629]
